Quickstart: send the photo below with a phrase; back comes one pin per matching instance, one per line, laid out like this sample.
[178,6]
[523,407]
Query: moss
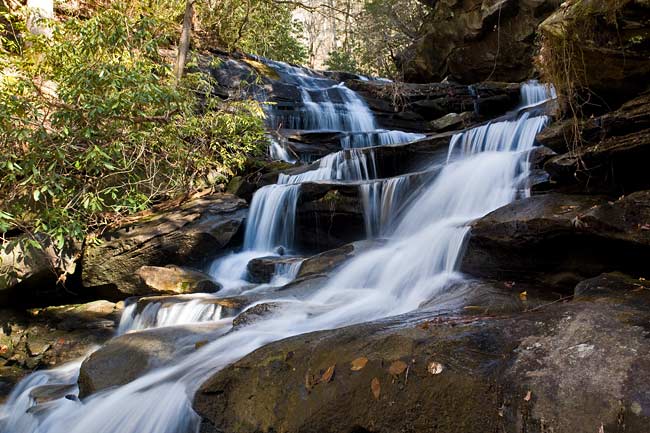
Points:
[262,69]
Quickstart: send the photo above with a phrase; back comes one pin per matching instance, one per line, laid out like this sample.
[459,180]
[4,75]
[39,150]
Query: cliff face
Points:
[477,40]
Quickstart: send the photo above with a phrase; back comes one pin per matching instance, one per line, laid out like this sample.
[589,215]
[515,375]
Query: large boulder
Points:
[262,269]
[560,239]
[477,40]
[130,356]
[186,236]
[581,367]
[170,280]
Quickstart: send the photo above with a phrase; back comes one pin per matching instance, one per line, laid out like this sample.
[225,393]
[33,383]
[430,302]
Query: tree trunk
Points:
[184,43]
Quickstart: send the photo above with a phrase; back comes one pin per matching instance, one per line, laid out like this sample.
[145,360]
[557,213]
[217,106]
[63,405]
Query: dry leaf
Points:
[435,367]
[523,296]
[309,384]
[358,363]
[528,396]
[329,373]
[376,388]
[397,368]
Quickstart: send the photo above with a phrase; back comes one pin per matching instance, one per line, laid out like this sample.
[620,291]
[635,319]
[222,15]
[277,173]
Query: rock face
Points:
[608,47]
[186,236]
[29,275]
[477,40]
[410,106]
[45,337]
[170,280]
[512,373]
[565,236]
[610,153]
[129,356]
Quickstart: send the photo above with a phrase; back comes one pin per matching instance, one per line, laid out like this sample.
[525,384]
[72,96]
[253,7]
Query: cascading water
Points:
[381,203]
[482,173]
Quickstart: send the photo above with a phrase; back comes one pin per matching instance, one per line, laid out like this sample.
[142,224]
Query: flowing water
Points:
[484,171]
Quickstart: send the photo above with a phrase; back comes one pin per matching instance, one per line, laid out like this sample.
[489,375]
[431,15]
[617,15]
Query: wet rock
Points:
[44,393]
[453,121]
[326,262]
[565,367]
[262,269]
[612,285]
[555,234]
[176,280]
[186,236]
[129,356]
[409,106]
[231,306]
[47,337]
[257,173]
[255,313]
[328,216]
[473,41]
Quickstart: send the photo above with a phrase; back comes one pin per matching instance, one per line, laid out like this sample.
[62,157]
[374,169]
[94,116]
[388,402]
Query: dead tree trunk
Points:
[184,43]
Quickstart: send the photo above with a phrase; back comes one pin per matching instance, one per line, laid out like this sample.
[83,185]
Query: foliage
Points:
[376,34]
[261,27]
[92,126]
[341,60]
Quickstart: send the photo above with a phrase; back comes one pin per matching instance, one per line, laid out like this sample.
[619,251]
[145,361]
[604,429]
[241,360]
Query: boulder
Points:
[477,40]
[170,280]
[255,313]
[605,47]
[130,356]
[453,121]
[326,262]
[578,366]
[261,270]
[187,235]
[561,239]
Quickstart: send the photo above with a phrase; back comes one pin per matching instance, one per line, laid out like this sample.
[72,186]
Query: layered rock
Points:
[186,236]
[609,153]
[176,280]
[561,239]
[604,46]
[477,40]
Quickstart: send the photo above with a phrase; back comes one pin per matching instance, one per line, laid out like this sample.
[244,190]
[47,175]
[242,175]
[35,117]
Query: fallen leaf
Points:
[397,368]
[329,373]
[523,296]
[309,384]
[358,363]
[376,388]
[435,367]
[529,395]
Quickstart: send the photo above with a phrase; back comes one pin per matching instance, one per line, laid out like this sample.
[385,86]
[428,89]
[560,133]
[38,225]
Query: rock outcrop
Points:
[604,46]
[511,373]
[477,40]
[561,239]
[186,236]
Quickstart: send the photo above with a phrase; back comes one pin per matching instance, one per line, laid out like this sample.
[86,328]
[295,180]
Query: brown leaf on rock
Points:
[329,374]
[358,363]
[376,388]
[397,368]
[435,367]
[309,384]
[528,396]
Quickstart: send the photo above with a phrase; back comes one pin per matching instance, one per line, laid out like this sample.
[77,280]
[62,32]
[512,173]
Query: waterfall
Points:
[533,93]
[382,201]
[483,171]
[159,314]
[278,152]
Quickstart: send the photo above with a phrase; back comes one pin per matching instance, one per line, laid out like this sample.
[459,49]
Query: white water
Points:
[382,201]
[160,314]
[534,93]
[483,172]
[278,152]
